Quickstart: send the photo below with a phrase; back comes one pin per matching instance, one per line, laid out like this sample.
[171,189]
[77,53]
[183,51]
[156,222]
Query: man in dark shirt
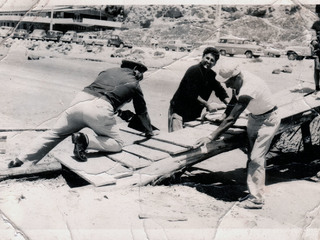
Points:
[315,44]
[194,91]
[95,107]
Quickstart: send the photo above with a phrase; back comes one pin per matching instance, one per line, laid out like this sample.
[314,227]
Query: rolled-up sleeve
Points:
[139,103]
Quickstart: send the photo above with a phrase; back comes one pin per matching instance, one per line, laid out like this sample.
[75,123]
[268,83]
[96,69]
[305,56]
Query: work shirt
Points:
[260,93]
[197,81]
[119,86]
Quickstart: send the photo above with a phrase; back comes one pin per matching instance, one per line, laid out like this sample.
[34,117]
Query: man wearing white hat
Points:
[252,94]
[95,107]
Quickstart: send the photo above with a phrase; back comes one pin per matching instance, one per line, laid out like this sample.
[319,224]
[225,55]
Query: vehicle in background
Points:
[116,41]
[53,35]
[92,39]
[79,38]
[177,45]
[233,45]
[69,37]
[6,31]
[298,52]
[271,52]
[20,34]
[37,34]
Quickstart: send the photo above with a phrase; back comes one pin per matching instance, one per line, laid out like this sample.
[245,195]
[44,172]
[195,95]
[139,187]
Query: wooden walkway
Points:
[147,161]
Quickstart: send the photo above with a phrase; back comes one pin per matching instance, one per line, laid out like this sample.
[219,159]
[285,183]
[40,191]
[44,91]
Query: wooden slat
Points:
[6,173]
[131,161]
[184,137]
[145,152]
[212,127]
[163,146]
[130,138]
[192,123]
[97,180]
[166,167]
[99,170]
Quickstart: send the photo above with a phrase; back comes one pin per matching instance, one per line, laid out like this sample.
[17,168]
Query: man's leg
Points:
[175,121]
[260,132]
[69,121]
[317,76]
[100,117]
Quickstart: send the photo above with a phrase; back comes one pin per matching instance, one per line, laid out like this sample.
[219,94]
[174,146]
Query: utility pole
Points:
[218,21]
[51,19]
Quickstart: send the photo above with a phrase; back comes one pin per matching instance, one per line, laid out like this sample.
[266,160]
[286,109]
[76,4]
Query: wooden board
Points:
[212,127]
[163,146]
[166,167]
[145,152]
[129,138]
[129,160]
[6,173]
[184,137]
[99,170]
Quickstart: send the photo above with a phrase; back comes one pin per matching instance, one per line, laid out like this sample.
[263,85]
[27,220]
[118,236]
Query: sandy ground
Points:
[199,205]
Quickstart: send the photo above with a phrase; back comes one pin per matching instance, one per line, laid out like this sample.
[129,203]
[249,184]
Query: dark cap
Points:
[213,51]
[134,64]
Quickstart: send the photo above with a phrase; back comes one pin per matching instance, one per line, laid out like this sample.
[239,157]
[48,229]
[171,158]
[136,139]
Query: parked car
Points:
[271,52]
[177,45]
[92,39]
[37,34]
[53,35]
[69,37]
[20,34]
[234,45]
[5,31]
[79,38]
[116,41]
[298,52]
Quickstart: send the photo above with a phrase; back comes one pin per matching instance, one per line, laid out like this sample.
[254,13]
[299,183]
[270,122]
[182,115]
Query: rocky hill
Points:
[276,25]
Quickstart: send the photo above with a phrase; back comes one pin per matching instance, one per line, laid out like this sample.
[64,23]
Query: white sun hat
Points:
[228,71]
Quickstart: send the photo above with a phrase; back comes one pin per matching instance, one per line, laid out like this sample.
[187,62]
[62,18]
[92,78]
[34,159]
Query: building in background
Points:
[64,18]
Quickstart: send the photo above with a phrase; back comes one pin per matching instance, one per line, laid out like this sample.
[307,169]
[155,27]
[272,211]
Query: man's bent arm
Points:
[240,106]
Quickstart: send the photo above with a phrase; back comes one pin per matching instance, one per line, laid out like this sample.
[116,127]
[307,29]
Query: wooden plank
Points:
[166,167]
[130,138]
[163,146]
[184,137]
[98,170]
[192,123]
[212,127]
[25,170]
[145,152]
[97,180]
[131,161]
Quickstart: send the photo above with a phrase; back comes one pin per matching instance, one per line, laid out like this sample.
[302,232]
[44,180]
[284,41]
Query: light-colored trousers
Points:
[85,110]
[175,121]
[261,130]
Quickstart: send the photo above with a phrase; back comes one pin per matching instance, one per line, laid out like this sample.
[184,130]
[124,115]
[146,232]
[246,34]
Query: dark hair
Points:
[213,51]
[317,8]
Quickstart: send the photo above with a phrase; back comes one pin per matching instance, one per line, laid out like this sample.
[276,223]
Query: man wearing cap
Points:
[252,93]
[95,107]
[194,91]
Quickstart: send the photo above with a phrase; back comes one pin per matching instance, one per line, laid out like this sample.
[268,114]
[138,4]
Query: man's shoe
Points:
[251,203]
[81,143]
[15,163]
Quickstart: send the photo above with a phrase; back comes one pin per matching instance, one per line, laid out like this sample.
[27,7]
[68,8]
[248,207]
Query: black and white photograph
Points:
[159,120]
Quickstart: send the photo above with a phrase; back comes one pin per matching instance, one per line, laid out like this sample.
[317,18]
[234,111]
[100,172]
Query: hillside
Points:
[277,25]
